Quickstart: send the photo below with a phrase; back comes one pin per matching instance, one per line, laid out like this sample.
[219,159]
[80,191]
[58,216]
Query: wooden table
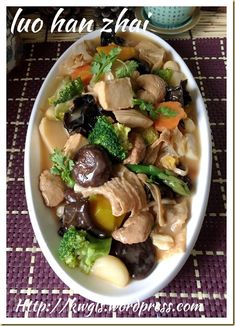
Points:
[212,23]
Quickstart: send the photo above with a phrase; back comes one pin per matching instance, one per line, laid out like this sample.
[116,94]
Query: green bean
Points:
[167,177]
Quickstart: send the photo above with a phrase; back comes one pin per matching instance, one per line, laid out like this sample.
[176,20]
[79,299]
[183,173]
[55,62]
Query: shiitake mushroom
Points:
[77,214]
[92,166]
[139,258]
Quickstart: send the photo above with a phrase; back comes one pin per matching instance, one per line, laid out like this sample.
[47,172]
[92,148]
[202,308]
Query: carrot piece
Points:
[106,49]
[83,72]
[127,52]
[170,122]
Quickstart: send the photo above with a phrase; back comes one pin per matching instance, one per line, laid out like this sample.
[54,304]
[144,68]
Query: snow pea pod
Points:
[167,177]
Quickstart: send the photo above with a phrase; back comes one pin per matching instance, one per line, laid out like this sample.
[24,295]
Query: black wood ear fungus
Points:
[82,116]
[143,67]
[107,38]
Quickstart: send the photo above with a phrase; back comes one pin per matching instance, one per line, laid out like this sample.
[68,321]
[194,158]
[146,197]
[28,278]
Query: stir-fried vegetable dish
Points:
[121,138]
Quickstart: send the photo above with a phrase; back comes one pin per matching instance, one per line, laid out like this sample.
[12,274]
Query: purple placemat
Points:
[202,280]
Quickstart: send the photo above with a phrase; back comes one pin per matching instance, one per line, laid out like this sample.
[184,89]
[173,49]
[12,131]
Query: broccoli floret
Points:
[61,109]
[150,135]
[71,89]
[69,245]
[165,74]
[122,132]
[78,249]
[105,134]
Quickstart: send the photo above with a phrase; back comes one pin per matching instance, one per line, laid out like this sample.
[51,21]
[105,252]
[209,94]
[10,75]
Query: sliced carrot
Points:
[83,72]
[170,122]
[127,52]
[106,49]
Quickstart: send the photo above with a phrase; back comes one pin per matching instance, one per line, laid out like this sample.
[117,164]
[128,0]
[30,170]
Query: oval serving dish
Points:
[45,226]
